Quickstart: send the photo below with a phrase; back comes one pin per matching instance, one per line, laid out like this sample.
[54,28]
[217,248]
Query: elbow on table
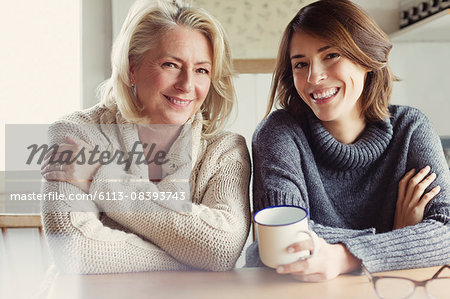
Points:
[220,261]
[65,260]
[222,255]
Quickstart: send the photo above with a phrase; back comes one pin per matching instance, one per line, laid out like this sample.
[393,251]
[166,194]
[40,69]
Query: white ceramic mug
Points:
[278,227]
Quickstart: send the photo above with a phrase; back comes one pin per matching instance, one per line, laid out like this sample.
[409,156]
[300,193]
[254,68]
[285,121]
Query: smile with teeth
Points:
[324,94]
[178,101]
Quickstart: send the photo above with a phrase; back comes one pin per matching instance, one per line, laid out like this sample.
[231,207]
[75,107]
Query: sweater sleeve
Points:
[81,243]
[427,243]
[208,235]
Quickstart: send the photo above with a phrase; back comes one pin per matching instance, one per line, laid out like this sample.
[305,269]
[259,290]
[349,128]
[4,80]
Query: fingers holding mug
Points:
[309,245]
[307,249]
[324,265]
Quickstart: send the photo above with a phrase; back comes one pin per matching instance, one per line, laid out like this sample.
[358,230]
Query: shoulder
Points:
[94,115]
[279,126]
[227,144]
[276,120]
[407,114]
[225,140]
[82,124]
[407,118]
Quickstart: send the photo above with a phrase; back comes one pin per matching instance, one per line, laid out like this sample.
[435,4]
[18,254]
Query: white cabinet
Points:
[435,28]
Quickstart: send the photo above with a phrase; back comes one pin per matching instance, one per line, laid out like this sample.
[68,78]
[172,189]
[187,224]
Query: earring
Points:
[133,87]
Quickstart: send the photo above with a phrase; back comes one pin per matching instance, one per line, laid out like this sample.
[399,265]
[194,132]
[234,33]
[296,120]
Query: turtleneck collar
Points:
[367,149]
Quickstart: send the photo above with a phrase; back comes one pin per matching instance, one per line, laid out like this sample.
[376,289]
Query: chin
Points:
[323,116]
[326,113]
[180,120]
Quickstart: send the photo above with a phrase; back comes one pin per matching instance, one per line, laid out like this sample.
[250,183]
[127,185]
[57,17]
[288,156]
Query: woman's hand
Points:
[329,261]
[78,175]
[412,200]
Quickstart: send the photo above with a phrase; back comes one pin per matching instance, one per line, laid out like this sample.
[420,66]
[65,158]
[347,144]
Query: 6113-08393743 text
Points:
[55,196]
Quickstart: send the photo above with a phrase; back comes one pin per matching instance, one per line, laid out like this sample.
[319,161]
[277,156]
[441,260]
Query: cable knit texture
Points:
[351,189]
[124,236]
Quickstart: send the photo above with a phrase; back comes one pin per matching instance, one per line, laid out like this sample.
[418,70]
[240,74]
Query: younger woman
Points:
[372,175]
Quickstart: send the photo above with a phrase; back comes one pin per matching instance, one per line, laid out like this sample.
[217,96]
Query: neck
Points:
[347,131]
[161,135]
[159,138]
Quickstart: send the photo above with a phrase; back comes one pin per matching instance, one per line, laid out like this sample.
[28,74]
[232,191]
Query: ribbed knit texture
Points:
[149,235]
[351,189]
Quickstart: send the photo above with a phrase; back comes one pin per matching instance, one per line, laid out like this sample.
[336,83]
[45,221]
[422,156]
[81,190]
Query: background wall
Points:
[252,25]
[40,62]
[423,68]
[96,34]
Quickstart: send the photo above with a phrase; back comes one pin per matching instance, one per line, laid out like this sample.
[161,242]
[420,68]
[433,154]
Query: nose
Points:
[316,73]
[184,82]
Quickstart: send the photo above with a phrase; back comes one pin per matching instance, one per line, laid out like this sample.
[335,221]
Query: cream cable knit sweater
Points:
[146,235]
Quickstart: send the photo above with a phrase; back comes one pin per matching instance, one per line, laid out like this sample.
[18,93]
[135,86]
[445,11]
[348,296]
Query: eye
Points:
[332,55]
[169,64]
[300,65]
[203,71]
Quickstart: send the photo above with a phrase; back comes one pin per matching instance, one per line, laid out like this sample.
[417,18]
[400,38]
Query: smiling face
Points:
[329,83]
[173,79]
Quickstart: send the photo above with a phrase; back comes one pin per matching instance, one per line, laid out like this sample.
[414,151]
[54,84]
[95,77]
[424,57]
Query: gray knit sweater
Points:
[351,189]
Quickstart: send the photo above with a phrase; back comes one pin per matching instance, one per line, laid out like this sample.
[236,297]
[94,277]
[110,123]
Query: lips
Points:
[177,101]
[324,95]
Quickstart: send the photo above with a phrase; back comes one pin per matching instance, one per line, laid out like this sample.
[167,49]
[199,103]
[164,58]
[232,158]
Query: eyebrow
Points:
[181,60]
[318,51]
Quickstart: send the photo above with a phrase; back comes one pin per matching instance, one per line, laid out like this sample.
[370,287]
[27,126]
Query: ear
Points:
[368,70]
[367,73]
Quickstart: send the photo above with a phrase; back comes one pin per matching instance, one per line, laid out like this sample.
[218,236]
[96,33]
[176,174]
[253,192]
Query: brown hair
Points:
[347,27]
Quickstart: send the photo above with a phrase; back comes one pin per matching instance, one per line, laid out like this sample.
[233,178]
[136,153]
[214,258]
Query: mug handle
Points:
[313,237]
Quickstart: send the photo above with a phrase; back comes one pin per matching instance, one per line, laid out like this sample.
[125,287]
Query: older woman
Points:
[372,175]
[164,187]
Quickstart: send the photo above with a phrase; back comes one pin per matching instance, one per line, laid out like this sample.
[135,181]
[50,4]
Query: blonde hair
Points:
[146,22]
[345,26]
